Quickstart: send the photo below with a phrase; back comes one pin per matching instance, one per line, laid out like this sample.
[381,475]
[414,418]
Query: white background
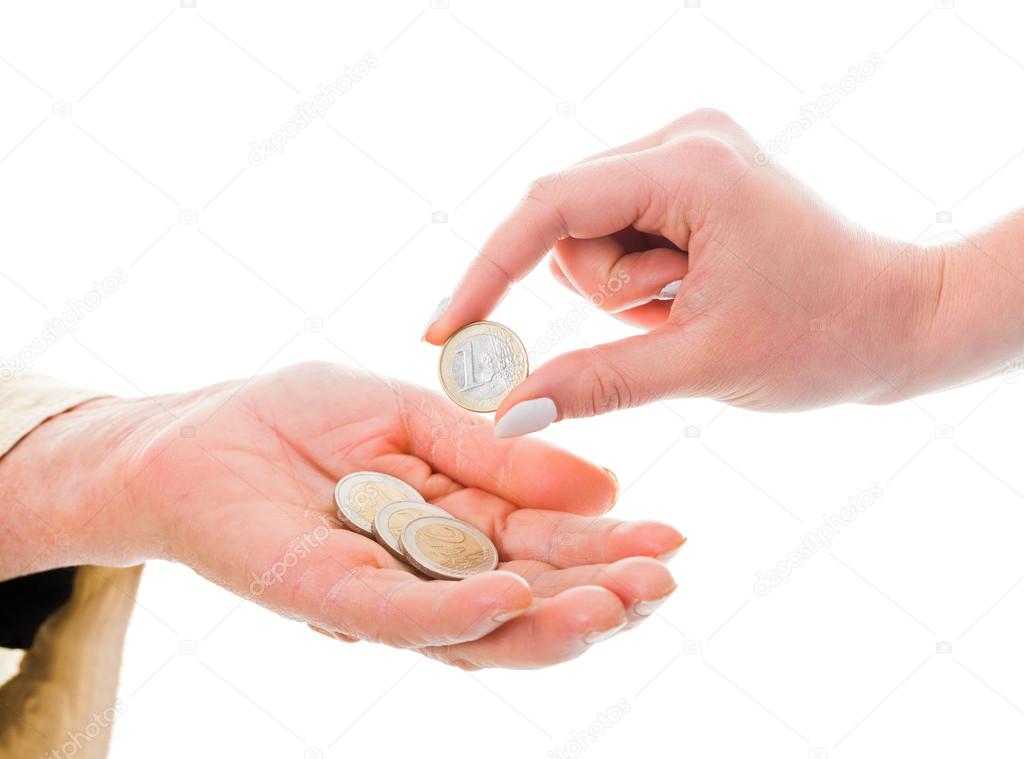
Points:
[160,104]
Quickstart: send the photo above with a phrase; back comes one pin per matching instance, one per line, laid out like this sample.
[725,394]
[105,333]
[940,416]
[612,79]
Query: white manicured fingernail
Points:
[669,291]
[433,316]
[526,417]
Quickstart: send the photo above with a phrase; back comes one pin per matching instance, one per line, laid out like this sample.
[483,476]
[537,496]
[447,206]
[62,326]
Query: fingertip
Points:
[666,557]
[540,475]
[512,581]
[554,630]
[598,490]
[641,582]
[472,300]
[568,624]
[436,334]
[653,539]
[333,635]
[613,479]
[542,382]
[525,417]
[594,611]
[435,316]
[505,594]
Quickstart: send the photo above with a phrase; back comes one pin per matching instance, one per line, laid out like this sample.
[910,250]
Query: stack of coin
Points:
[424,536]
[481,364]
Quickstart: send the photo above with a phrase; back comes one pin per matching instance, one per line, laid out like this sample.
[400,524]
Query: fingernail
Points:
[505,616]
[526,417]
[669,291]
[433,316]
[669,555]
[646,607]
[615,484]
[596,636]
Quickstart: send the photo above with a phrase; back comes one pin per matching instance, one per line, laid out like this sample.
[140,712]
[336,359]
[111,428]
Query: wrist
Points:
[972,295]
[63,486]
[913,345]
[884,319]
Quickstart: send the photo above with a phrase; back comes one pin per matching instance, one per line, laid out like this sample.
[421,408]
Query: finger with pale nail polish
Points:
[526,417]
[438,310]
[670,291]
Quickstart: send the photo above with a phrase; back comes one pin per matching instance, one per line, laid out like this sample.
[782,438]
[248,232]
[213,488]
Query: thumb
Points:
[621,374]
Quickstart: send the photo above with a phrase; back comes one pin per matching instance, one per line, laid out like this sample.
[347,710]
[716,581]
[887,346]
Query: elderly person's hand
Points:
[237,481]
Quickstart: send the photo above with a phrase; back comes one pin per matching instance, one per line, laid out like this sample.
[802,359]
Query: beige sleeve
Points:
[68,680]
[27,400]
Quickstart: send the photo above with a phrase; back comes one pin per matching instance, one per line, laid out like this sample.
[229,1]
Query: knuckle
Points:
[714,116]
[334,606]
[316,371]
[313,368]
[543,188]
[392,618]
[709,150]
[608,389]
[702,118]
[545,192]
[484,264]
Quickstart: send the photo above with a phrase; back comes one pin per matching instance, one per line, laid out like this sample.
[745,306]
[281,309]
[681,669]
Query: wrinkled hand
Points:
[768,298]
[237,481]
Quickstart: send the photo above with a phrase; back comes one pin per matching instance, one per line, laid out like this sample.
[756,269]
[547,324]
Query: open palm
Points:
[242,485]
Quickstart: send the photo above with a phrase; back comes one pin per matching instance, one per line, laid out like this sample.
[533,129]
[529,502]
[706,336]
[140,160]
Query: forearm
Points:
[61,494]
[977,328]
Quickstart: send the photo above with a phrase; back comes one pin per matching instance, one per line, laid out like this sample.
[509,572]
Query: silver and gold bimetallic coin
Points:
[392,518]
[481,364]
[359,495]
[447,549]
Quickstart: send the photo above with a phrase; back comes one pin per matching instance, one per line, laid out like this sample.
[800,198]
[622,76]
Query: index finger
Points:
[586,201]
[558,538]
[525,473]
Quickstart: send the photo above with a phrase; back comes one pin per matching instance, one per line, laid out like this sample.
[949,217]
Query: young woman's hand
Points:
[748,288]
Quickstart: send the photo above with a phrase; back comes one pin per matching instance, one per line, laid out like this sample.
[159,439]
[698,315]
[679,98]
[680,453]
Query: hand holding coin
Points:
[722,261]
[246,498]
